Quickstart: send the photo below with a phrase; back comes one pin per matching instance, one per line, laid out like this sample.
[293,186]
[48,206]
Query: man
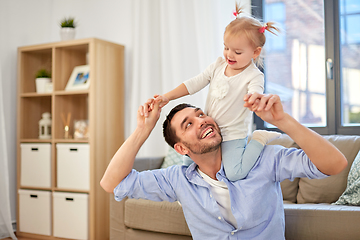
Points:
[214,207]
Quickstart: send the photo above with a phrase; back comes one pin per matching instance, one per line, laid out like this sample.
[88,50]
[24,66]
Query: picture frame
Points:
[79,79]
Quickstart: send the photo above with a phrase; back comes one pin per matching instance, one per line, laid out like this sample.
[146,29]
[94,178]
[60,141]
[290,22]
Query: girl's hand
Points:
[162,99]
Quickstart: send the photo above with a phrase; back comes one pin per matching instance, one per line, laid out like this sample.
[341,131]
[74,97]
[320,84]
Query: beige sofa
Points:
[308,212]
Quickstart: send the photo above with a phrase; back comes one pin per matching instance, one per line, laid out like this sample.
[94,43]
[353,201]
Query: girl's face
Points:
[238,53]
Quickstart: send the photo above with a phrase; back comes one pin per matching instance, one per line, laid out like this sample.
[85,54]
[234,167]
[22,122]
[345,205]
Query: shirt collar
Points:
[193,176]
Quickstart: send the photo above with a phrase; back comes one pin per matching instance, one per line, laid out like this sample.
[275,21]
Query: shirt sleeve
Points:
[197,83]
[290,163]
[155,185]
[256,84]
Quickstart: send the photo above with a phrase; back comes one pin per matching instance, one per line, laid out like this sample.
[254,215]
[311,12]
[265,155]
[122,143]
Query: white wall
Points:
[28,22]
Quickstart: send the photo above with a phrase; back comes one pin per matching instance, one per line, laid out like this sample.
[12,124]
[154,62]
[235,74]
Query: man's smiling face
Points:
[197,132]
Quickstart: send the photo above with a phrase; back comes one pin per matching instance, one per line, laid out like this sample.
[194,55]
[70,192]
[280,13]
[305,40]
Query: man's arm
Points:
[325,156]
[122,162]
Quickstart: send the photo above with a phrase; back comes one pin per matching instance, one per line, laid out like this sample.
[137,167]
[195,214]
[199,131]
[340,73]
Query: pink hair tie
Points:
[262,29]
[235,13]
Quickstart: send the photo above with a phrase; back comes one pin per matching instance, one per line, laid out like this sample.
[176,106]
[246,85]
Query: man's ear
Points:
[180,148]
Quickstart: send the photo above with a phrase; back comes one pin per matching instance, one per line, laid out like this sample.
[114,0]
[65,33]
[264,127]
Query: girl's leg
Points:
[235,165]
[238,158]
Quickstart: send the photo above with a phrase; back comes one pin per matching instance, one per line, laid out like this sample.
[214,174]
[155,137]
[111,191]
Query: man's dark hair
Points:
[168,131]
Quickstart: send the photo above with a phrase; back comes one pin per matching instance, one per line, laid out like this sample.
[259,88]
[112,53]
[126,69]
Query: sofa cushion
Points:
[321,222]
[290,189]
[117,227]
[163,217]
[136,234]
[329,189]
[351,196]
[147,163]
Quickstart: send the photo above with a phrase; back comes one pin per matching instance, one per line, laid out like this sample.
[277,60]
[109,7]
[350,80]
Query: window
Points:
[349,61]
[313,64]
[276,12]
[349,21]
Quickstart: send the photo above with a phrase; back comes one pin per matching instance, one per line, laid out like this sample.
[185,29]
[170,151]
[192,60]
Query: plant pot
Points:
[42,84]
[67,33]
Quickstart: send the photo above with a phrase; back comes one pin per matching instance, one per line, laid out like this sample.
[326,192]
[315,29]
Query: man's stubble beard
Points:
[204,148]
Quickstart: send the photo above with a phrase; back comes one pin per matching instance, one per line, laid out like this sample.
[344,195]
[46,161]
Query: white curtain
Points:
[172,42]
[6,229]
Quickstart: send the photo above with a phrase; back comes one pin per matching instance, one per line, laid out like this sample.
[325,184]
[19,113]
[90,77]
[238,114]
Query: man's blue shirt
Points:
[256,201]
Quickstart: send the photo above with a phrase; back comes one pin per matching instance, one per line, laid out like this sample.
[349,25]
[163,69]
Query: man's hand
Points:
[267,106]
[122,162]
[148,115]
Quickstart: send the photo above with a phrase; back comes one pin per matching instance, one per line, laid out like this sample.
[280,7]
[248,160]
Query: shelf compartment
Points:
[71,211]
[30,62]
[35,165]
[32,109]
[76,105]
[73,166]
[66,58]
[35,211]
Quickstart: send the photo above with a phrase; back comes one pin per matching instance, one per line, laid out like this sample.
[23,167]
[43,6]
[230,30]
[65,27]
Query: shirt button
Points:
[210,195]
[240,228]
[232,233]
[219,218]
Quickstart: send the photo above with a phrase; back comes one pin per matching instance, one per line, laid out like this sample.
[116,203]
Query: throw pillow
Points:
[172,158]
[351,195]
[329,190]
[290,189]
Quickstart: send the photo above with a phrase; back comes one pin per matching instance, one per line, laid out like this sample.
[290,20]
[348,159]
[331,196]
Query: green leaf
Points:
[43,73]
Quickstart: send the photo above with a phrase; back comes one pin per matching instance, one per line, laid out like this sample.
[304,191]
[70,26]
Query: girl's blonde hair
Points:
[253,29]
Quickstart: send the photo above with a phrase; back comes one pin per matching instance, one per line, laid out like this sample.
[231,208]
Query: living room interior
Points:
[143,48]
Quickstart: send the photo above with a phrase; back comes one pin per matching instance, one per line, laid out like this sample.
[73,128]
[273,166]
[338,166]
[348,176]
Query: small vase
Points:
[67,33]
[41,84]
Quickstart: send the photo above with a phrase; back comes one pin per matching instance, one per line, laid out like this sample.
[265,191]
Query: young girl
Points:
[230,80]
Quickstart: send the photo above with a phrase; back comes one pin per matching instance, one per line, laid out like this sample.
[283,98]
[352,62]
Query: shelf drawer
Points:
[35,211]
[70,215]
[35,165]
[73,166]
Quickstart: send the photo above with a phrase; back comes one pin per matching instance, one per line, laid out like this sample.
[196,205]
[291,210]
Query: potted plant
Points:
[43,81]
[67,31]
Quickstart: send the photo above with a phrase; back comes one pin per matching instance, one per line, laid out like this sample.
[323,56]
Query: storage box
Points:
[35,165]
[73,166]
[35,211]
[70,215]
